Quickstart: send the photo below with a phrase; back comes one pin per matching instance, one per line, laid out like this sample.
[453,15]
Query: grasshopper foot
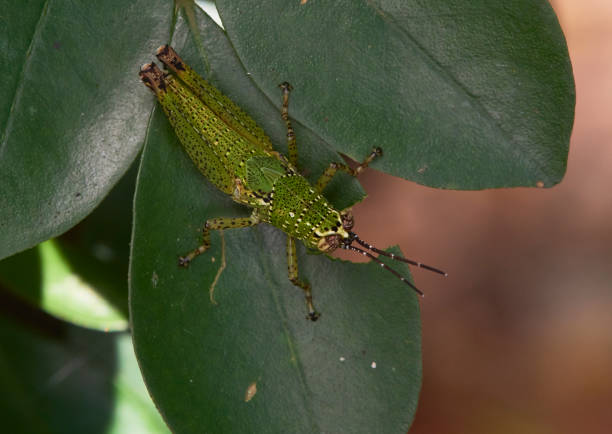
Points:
[313,315]
[184,261]
[286,87]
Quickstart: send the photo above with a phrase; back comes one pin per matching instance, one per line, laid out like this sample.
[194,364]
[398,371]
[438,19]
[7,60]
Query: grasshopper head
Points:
[330,242]
[153,77]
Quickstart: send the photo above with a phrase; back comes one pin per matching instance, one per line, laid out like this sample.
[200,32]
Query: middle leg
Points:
[292,268]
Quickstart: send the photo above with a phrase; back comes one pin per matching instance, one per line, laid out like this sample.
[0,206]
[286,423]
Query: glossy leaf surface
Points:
[71,117]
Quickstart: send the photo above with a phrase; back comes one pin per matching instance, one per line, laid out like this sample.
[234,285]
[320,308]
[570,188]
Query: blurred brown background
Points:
[518,339]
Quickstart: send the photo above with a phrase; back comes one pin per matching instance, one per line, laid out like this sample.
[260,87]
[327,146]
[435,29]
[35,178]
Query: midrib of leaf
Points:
[283,319]
[20,82]
[535,161]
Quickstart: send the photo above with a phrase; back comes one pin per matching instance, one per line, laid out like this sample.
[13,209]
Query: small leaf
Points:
[44,277]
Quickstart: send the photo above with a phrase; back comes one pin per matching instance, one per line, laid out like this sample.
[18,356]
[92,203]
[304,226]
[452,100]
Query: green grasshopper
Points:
[235,154]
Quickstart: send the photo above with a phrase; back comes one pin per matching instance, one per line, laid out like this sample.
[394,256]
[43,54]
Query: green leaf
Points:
[204,354]
[460,94]
[44,277]
[71,116]
[58,378]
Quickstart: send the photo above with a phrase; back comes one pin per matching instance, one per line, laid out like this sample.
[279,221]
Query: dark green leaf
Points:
[71,110]
[459,93]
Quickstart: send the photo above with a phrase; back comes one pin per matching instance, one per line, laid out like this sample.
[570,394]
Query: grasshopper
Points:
[235,154]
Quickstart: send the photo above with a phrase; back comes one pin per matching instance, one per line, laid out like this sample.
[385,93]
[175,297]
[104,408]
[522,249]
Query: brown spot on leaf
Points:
[250,392]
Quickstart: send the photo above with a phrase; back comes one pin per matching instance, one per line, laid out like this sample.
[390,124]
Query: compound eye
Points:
[329,243]
[347,220]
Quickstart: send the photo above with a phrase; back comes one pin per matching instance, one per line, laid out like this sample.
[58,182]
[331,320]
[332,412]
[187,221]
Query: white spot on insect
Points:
[308,224]
[373,365]
[311,190]
[291,215]
[382,265]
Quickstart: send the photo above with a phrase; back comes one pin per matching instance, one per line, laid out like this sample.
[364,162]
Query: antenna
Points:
[397,258]
[347,245]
